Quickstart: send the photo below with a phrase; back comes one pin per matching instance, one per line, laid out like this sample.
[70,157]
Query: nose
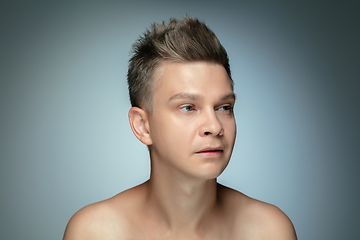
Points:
[211,125]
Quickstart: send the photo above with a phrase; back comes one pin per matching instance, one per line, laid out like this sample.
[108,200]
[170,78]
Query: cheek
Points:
[180,133]
[169,132]
[230,128]
[180,136]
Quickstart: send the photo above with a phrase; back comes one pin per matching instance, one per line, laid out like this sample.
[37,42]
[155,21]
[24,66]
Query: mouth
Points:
[211,151]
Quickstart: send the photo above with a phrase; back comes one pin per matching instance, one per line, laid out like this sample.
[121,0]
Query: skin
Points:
[190,133]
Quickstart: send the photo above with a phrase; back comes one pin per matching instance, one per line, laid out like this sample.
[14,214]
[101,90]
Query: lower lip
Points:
[211,153]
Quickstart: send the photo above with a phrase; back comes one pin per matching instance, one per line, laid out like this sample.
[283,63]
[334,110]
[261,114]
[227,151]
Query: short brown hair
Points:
[184,40]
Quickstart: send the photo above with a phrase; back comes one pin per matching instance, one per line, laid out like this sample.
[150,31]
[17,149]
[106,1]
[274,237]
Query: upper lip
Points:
[210,149]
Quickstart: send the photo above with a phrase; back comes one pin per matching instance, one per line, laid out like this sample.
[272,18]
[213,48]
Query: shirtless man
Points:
[182,100]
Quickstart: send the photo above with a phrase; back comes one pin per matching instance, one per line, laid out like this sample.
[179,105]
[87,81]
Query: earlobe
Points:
[138,119]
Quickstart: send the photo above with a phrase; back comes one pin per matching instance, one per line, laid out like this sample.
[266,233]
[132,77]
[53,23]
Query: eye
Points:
[226,108]
[187,108]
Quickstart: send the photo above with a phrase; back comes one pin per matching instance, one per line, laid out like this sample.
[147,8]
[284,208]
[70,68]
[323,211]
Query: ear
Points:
[139,123]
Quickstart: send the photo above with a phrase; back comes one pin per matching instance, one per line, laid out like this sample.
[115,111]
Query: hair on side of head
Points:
[185,40]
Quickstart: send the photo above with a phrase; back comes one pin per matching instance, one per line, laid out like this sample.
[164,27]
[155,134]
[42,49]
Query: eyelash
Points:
[226,108]
[186,107]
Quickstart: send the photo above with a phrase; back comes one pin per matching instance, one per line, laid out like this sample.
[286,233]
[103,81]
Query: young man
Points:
[182,96]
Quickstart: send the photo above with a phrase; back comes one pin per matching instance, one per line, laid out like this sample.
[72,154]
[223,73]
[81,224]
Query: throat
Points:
[182,205]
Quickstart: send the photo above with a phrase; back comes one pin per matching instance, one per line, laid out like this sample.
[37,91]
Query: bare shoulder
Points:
[257,219]
[108,219]
[91,222]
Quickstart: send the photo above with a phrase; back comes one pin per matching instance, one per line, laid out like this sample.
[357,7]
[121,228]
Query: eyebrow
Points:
[229,96]
[190,96]
[195,97]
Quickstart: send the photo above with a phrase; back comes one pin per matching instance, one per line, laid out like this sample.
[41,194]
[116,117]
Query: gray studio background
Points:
[65,141]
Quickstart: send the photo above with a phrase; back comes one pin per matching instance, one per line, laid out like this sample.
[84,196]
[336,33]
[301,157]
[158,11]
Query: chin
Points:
[211,172]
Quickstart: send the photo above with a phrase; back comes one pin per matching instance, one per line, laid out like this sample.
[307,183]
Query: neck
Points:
[180,202]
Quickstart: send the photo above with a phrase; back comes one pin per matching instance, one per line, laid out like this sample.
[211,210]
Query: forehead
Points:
[192,77]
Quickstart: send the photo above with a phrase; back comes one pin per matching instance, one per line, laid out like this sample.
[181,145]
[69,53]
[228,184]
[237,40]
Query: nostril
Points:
[207,133]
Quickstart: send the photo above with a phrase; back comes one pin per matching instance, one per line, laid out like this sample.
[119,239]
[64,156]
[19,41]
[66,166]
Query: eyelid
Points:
[230,106]
[187,105]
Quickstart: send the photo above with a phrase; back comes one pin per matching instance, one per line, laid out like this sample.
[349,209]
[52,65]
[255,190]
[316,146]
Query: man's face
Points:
[192,125]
